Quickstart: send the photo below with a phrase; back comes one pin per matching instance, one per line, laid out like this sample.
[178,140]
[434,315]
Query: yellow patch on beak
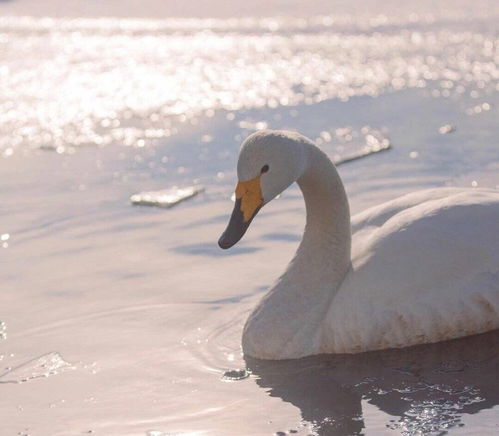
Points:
[251,197]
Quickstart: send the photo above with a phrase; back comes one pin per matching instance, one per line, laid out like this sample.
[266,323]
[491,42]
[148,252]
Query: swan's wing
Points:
[427,273]
[376,216]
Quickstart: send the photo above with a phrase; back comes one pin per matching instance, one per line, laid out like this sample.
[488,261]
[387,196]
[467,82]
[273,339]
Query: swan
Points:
[419,269]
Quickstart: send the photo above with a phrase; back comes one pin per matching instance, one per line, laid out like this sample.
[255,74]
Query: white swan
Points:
[419,269]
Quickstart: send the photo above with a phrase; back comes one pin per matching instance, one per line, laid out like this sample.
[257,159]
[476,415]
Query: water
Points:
[153,74]
[121,320]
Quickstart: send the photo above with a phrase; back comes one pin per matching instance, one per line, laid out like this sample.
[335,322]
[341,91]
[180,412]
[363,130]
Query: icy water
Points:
[125,320]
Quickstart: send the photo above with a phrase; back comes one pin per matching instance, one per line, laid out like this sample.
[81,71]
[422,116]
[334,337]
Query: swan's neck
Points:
[287,320]
[326,244]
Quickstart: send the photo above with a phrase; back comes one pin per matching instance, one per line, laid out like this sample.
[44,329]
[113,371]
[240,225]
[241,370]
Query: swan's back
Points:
[425,268]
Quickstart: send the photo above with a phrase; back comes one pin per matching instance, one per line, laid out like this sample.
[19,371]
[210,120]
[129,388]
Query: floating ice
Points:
[363,152]
[165,198]
[346,144]
[446,128]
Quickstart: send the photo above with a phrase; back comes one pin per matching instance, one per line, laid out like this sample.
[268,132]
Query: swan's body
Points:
[419,269]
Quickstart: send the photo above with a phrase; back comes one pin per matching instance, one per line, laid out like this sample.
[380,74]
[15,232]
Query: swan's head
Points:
[269,161]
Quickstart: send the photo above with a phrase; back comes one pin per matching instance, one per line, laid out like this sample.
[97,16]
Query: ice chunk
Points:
[446,128]
[367,150]
[166,197]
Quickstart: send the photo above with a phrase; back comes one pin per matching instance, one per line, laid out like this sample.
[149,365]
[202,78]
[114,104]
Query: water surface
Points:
[121,320]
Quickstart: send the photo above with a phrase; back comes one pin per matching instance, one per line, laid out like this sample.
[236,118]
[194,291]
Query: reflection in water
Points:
[426,387]
[288,237]
[209,249]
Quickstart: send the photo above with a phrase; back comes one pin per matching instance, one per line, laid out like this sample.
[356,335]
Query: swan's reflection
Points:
[425,388]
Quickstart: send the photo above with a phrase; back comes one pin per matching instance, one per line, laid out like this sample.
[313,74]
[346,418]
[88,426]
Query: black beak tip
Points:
[236,228]
[223,243]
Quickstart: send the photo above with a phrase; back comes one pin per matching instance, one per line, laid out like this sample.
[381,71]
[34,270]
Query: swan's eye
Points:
[265,168]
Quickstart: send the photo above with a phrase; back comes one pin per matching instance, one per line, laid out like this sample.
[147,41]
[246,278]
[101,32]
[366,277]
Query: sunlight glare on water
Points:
[74,82]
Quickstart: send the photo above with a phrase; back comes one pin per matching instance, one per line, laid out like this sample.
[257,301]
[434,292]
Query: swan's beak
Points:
[249,200]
